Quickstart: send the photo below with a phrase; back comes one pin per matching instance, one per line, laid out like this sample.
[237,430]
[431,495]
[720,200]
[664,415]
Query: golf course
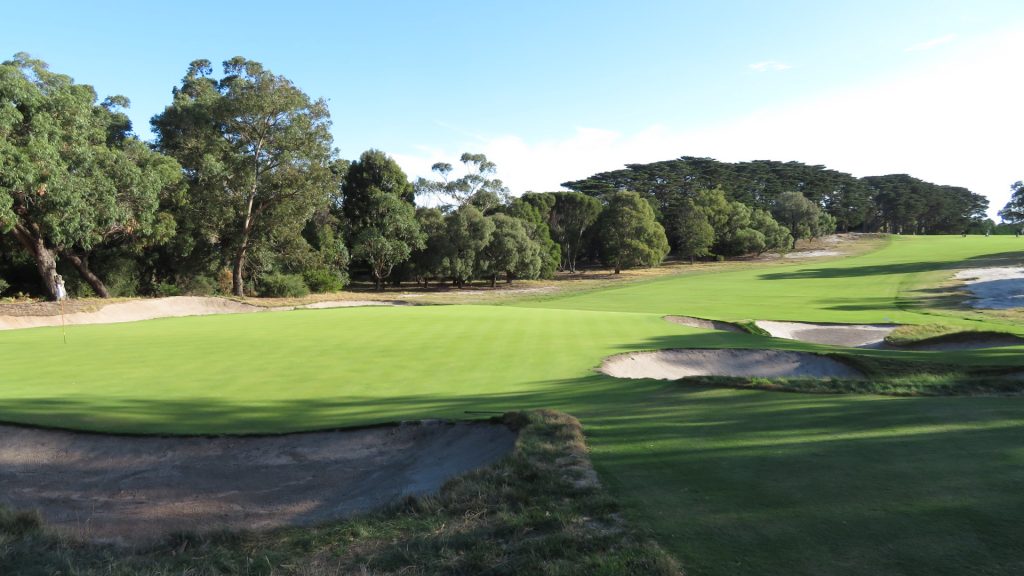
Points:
[918,471]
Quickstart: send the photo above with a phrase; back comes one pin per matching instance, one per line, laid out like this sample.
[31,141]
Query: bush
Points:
[165,289]
[202,286]
[283,285]
[3,285]
[323,280]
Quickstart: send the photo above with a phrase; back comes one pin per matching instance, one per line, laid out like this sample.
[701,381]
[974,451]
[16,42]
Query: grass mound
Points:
[538,511]
[925,335]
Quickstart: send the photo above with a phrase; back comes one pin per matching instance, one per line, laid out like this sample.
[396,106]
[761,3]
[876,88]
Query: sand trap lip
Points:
[850,335]
[172,307]
[136,489]
[812,254]
[675,364]
[995,288]
[704,324]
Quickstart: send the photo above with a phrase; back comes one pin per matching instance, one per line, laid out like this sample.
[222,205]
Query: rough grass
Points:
[539,511]
[926,334]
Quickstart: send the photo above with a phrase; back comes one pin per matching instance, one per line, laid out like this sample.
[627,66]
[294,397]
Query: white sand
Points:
[675,364]
[175,306]
[851,335]
[995,288]
[702,323]
[812,254]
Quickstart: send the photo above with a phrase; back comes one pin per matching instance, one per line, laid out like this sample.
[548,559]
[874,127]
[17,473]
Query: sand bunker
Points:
[675,364]
[995,288]
[172,307]
[812,254]
[702,323]
[134,489]
[851,335]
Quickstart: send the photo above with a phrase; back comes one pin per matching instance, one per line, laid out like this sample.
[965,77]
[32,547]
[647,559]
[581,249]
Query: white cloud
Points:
[959,123]
[769,66]
[929,44]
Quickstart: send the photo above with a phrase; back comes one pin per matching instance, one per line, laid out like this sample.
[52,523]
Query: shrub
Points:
[3,285]
[224,282]
[202,286]
[165,289]
[283,285]
[323,280]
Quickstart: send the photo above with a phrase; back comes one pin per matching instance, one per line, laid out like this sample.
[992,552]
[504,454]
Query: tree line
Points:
[241,192]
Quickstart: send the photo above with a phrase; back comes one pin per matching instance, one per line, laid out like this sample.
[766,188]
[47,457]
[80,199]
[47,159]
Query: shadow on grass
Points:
[1000,259]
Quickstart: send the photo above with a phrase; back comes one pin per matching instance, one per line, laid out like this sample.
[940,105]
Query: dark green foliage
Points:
[879,203]
[283,286]
[534,216]
[510,251]
[389,235]
[628,233]
[467,233]
[1013,212]
[570,217]
[257,152]
[3,286]
[74,178]
[802,217]
[375,172]
[321,280]
[688,230]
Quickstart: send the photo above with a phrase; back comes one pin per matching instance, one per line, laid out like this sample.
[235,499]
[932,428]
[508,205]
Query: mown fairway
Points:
[733,482]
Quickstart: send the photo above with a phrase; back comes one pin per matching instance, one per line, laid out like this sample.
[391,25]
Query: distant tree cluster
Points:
[831,200]
[242,193]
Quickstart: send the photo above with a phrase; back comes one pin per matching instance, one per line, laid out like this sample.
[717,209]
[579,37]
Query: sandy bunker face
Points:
[703,324]
[136,489]
[851,335]
[995,288]
[675,364]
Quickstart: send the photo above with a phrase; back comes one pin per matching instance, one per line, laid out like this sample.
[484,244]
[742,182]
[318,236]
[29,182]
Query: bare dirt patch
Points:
[997,288]
[704,324]
[136,489]
[850,335]
[675,364]
[48,313]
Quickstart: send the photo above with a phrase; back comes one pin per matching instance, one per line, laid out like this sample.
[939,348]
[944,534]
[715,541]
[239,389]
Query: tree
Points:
[467,232]
[374,172]
[798,214]
[389,235]
[571,215]
[460,191]
[429,261]
[535,222]
[628,233]
[73,176]
[256,150]
[1013,212]
[688,230]
[510,251]
[776,236]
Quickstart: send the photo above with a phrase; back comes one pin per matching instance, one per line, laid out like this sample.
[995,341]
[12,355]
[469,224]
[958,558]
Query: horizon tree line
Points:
[242,192]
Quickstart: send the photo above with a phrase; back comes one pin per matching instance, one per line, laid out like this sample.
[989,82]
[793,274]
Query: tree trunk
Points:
[237,284]
[81,263]
[494,280]
[46,264]
[508,277]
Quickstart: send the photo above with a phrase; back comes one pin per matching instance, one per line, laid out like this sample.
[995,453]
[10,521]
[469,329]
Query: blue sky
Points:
[554,91]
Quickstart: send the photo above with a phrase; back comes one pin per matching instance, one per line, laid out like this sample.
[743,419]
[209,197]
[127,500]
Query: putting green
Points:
[731,481]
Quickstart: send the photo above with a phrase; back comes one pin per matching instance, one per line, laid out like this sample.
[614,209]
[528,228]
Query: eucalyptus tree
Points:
[467,233]
[389,235]
[570,217]
[510,251]
[477,180]
[72,176]
[256,151]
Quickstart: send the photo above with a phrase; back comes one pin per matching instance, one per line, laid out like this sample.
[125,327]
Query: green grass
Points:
[731,481]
